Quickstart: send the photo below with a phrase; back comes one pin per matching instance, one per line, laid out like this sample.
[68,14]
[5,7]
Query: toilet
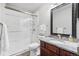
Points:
[34,49]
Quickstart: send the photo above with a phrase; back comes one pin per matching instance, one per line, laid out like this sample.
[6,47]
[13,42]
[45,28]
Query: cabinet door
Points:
[66,53]
[52,48]
[46,52]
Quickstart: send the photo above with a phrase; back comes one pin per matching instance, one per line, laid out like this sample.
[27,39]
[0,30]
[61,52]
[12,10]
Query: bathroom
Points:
[30,31]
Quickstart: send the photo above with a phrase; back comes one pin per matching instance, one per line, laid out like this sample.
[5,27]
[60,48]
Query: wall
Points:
[35,27]
[44,16]
[2,5]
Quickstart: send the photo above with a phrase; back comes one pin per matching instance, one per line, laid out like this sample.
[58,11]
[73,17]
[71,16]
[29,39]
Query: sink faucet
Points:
[59,36]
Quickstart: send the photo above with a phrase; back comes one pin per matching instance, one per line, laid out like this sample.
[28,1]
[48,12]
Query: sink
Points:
[56,41]
[60,41]
[64,42]
[75,44]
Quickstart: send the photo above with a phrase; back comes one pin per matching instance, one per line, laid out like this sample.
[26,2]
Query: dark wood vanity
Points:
[47,49]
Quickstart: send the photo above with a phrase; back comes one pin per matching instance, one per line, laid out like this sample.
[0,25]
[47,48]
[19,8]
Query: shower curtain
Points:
[19,30]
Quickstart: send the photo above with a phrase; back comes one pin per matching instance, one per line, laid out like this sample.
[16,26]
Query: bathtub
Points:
[18,42]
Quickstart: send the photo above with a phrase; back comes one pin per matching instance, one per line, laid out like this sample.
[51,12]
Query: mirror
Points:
[63,19]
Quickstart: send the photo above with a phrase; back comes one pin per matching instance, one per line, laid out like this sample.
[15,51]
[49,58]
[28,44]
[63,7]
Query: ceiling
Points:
[26,7]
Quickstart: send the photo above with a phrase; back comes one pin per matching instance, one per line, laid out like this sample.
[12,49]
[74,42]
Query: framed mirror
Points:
[64,18]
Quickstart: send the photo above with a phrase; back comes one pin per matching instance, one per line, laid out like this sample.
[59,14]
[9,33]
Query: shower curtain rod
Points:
[19,11]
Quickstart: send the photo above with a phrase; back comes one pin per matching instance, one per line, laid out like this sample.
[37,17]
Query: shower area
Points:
[21,27]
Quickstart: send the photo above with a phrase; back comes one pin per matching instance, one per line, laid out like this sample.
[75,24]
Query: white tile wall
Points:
[19,30]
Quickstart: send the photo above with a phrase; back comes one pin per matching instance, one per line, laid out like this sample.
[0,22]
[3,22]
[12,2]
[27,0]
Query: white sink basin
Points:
[56,41]
[73,44]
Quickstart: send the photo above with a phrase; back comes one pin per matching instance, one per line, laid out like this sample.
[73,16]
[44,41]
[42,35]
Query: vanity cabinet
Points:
[47,49]
[52,48]
[66,53]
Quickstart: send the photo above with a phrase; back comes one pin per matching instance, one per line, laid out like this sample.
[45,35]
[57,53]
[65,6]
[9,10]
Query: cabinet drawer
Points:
[66,53]
[52,48]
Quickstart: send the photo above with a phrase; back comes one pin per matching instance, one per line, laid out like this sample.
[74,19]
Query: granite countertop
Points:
[64,44]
